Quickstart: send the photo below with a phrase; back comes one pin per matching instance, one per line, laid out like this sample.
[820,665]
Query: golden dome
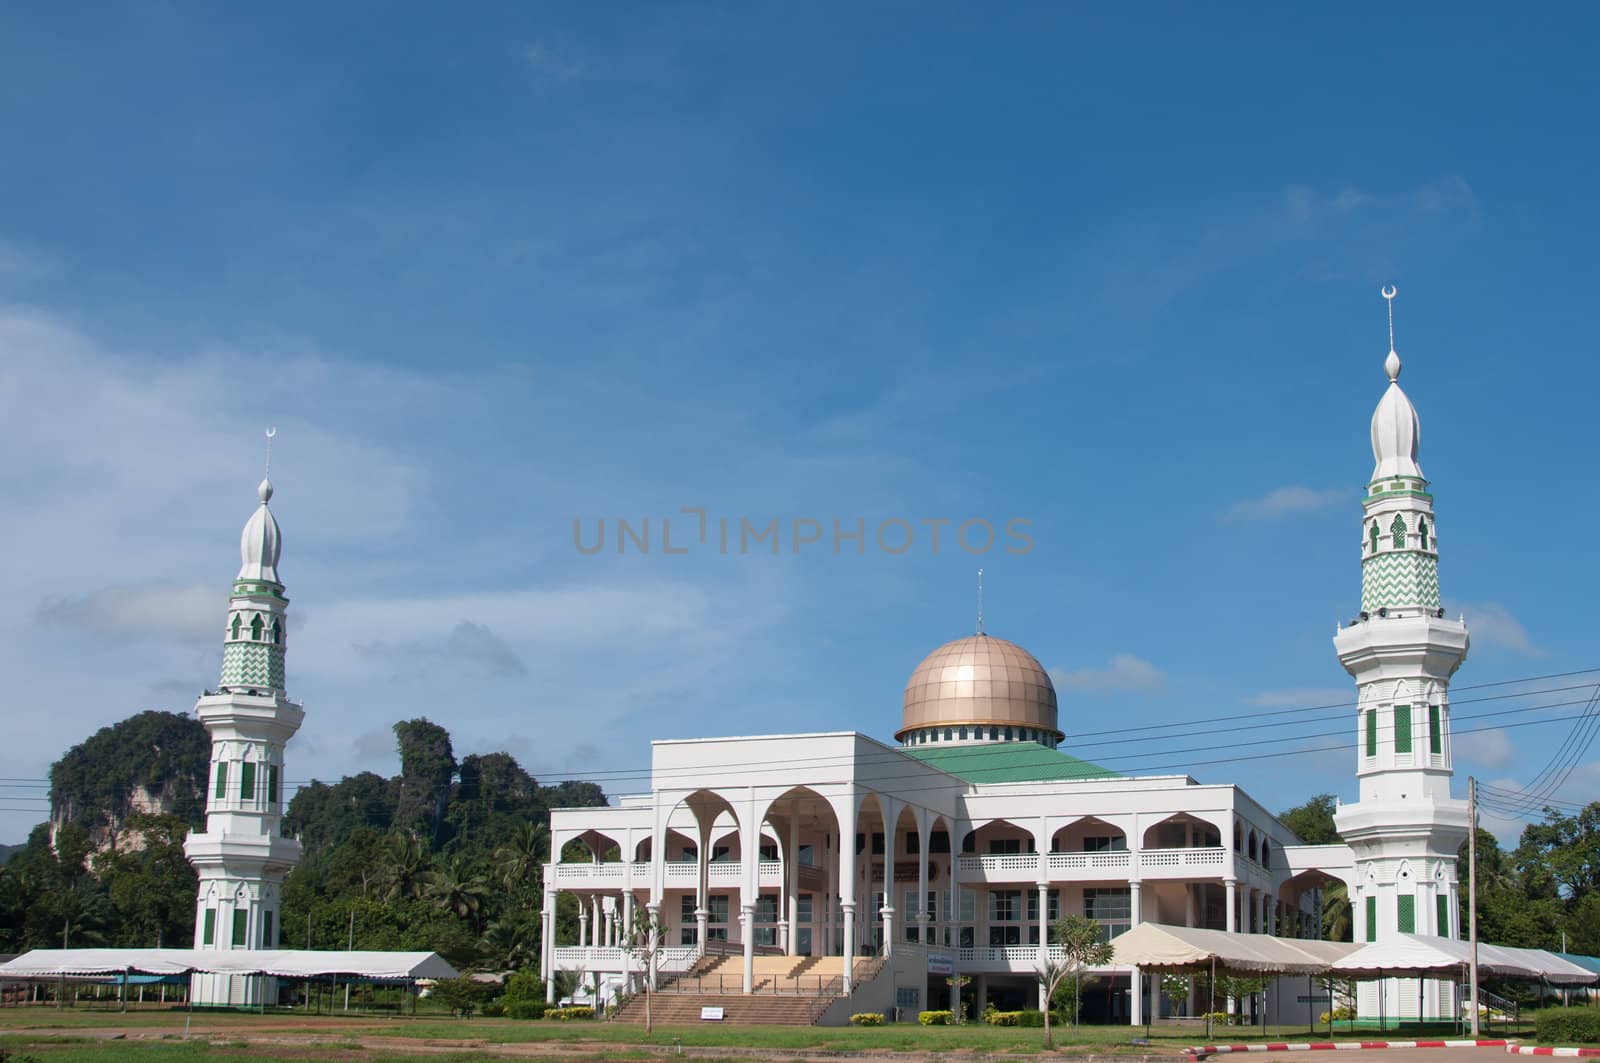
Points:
[979,688]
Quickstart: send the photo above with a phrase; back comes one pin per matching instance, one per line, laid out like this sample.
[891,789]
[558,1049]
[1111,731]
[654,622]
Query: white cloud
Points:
[468,644]
[1492,748]
[1304,698]
[542,59]
[185,612]
[1287,501]
[1445,194]
[1491,624]
[1124,672]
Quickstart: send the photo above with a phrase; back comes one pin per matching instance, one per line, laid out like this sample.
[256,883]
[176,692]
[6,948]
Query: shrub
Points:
[494,1009]
[572,1011]
[934,1018]
[526,1009]
[524,985]
[866,1018]
[1337,1015]
[1218,1018]
[1000,1018]
[1566,1026]
[1030,1018]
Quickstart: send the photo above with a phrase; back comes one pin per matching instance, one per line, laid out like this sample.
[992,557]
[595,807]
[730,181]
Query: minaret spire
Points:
[980,601]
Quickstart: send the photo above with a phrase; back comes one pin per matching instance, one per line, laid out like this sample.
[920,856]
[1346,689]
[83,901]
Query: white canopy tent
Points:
[279,963]
[1191,950]
[1423,956]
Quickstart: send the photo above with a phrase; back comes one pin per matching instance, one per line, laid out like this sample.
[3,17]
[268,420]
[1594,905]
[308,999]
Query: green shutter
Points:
[1402,728]
[1372,732]
[247,781]
[1442,903]
[241,924]
[1372,919]
[209,936]
[272,783]
[1435,732]
[267,940]
[222,779]
[1408,914]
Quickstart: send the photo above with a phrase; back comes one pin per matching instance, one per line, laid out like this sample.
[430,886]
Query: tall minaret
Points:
[241,857]
[1406,829]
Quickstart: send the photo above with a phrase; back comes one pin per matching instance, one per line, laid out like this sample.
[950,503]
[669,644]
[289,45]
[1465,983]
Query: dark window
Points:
[209,935]
[913,843]
[969,844]
[1372,919]
[1435,731]
[247,781]
[222,780]
[939,842]
[1407,914]
[1372,732]
[241,927]
[1402,728]
[267,939]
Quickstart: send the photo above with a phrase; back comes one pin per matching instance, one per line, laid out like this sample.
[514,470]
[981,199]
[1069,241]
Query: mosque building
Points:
[836,863]
[855,875]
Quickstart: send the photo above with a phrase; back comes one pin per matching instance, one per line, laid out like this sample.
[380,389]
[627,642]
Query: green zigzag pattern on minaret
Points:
[1400,578]
[252,664]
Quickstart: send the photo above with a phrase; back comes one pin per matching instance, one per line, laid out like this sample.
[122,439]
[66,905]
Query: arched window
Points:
[994,734]
[1422,531]
[1372,536]
[235,625]
[277,632]
[1398,529]
[255,628]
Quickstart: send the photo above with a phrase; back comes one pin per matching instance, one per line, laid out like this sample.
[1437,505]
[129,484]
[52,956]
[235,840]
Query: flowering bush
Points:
[574,1011]
[934,1018]
[866,1018]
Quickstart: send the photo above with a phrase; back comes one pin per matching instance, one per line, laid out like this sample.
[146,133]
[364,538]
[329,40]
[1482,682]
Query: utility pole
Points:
[1472,894]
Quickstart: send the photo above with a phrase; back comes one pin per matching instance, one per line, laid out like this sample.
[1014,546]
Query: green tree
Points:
[1313,821]
[1083,944]
[152,886]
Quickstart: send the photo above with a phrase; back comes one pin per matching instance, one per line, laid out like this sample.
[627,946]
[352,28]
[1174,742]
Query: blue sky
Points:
[492,270]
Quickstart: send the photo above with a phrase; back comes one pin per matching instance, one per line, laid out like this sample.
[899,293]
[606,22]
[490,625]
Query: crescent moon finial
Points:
[1388,292]
[273,431]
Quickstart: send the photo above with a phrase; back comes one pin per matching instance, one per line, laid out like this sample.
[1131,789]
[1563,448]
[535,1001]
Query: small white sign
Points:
[710,1014]
[938,964]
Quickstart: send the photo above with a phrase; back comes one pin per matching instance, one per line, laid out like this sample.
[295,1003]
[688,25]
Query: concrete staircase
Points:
[787,991]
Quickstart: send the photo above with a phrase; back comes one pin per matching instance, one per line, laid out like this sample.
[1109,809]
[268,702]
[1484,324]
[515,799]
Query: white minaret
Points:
[241,857]
[1406,829]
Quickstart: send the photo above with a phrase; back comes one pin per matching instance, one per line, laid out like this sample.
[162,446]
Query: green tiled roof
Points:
[1008,762]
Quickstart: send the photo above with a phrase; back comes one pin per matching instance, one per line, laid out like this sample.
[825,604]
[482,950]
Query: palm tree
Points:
[457,888]
[518,861]
[1337,922]
[506,945]
[403,873]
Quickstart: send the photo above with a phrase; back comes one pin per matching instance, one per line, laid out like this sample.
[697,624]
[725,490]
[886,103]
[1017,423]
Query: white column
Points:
[921,910]
[547,945]
[1136,977]
[844,810]
[583,924]
[747,922]
[1231,887]
[891,819]
[627,914]
[750,882]
[792,881]
[655,927]
[1044,935]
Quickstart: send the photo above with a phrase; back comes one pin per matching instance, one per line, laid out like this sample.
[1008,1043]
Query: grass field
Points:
[157,1036]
